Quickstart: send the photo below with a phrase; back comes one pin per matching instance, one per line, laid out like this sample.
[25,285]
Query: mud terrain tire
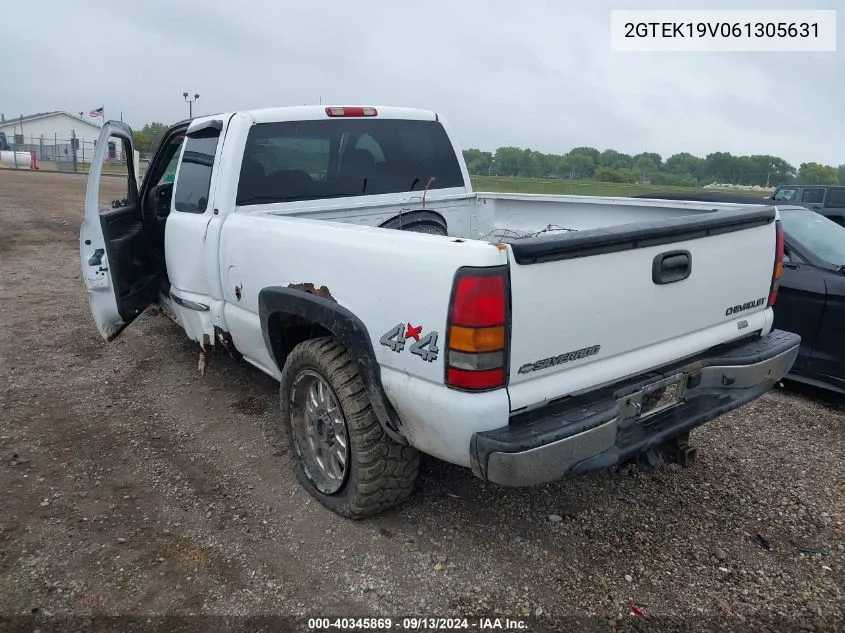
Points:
[379,473]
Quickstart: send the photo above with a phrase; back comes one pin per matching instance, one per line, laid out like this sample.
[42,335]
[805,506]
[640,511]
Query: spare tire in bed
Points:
[418,222]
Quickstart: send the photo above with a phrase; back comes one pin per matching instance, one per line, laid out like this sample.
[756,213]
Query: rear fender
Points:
[280,308]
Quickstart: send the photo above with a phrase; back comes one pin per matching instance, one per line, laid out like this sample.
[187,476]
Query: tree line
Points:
[146,139]
[682,170]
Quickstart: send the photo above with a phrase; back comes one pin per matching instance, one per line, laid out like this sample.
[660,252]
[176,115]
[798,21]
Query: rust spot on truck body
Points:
[310,288]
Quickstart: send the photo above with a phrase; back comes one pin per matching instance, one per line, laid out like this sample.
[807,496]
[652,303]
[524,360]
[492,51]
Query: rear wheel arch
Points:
[290,316]
[418,222]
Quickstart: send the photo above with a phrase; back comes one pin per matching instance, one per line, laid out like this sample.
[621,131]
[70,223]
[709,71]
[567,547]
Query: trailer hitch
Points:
[679,451]
[673,451]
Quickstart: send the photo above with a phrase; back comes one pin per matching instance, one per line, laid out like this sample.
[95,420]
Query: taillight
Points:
[477,342]
[351,111]
[778,269]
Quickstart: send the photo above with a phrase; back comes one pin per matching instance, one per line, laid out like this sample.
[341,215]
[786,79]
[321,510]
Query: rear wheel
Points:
[341,455]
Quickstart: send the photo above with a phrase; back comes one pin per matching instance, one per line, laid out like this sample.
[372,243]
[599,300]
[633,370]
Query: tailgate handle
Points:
[670,267]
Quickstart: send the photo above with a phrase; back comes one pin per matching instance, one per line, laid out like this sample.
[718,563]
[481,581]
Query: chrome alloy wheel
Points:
[319,431]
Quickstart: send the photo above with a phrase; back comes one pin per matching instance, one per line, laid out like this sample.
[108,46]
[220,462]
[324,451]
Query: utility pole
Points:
[190,103]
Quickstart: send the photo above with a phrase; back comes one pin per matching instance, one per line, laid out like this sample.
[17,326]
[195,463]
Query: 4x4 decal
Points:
[423,346]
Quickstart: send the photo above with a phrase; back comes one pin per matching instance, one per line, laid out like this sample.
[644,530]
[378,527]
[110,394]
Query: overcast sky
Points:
[530,73]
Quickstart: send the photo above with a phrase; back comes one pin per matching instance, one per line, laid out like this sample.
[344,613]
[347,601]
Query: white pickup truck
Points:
[343,251]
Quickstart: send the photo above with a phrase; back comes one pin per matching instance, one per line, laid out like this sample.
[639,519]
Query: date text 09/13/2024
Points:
[416,624]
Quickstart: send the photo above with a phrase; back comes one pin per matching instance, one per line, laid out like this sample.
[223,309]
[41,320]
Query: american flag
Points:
[96,113]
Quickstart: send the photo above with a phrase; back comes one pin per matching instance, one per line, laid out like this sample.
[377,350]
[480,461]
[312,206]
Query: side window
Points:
[813,196]
[785,195]
[116,161]
[194,176]
[836,197]
[169,174]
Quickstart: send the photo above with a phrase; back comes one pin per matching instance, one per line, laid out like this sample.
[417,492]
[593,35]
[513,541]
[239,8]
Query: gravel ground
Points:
[134,486]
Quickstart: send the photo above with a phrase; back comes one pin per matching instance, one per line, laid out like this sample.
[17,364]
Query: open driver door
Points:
[119,266]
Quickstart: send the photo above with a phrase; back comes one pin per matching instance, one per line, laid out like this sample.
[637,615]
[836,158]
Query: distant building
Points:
[49,135]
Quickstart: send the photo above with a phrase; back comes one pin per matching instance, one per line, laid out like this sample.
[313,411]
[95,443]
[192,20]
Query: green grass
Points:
[505,184]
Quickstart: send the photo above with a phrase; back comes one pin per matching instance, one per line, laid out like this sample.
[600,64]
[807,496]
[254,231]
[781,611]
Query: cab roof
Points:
[321,112]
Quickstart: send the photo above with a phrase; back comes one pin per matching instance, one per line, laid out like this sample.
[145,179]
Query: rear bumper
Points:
[601,429]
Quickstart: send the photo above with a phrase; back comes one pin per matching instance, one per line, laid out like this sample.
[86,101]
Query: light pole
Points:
[190,103]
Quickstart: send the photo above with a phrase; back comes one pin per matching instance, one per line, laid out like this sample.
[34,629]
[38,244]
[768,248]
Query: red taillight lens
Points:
[476,380]
[347,111]
[778,269]
[478,330]
[479,301]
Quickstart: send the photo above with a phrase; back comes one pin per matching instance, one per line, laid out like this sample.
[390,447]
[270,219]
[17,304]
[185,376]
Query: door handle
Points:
[670,267]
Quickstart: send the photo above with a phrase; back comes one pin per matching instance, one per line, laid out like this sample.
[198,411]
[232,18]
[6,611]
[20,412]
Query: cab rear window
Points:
[343,157]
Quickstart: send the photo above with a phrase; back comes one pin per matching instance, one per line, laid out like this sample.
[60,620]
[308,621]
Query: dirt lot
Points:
[132,485]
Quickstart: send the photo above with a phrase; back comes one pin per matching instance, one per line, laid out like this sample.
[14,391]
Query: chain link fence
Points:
[72,155]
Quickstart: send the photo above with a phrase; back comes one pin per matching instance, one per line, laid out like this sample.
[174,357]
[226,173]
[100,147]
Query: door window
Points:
[193,182]
[169,174]
[117,187]
[813,196]
[836,197]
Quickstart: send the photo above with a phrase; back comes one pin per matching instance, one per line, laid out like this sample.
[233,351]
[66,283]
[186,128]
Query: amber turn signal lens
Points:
[477,339]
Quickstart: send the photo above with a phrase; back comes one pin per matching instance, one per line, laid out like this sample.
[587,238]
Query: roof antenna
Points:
[427,185]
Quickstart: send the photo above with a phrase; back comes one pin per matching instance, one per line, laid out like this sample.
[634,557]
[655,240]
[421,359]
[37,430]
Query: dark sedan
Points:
[811,300]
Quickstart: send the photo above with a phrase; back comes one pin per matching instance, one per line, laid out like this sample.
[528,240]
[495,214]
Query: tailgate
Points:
[595,306]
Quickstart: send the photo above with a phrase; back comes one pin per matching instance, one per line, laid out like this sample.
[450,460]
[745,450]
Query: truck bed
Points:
[502,217]
[505,217]
[586,308]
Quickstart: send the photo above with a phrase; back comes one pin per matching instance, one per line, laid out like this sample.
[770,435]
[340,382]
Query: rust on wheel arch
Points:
[310,288]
